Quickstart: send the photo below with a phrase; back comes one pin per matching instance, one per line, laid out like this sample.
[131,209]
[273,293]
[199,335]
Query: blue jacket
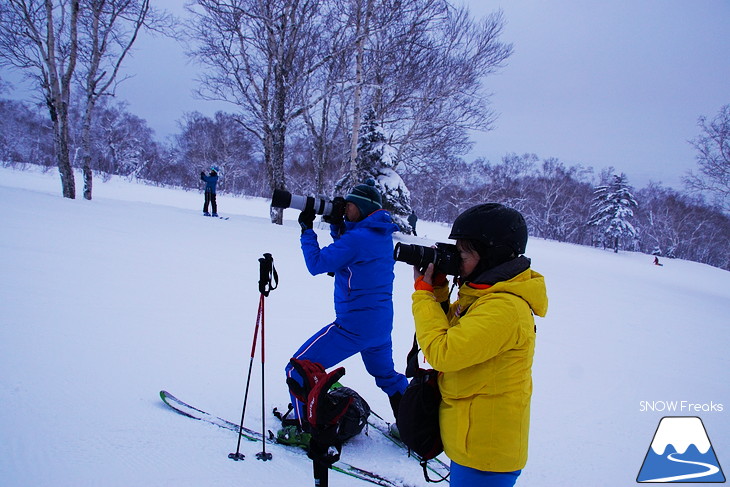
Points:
[210,182]
[362,261]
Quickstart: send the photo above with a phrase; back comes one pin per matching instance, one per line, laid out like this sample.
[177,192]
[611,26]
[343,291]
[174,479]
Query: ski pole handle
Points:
[267,275]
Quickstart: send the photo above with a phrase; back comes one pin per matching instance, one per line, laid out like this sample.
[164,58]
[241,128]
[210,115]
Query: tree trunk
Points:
[278,138]
[63,159]
[58,94]
[86,147]
[361,30]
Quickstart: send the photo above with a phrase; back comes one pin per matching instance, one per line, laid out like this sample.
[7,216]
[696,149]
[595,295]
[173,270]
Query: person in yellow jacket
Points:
[483,345]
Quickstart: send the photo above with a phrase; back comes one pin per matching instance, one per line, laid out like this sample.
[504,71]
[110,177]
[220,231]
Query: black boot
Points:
[395,403]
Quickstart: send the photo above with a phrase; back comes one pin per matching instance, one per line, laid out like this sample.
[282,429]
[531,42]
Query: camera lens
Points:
[284,199]
[445,257]
[416,255]
[281,199]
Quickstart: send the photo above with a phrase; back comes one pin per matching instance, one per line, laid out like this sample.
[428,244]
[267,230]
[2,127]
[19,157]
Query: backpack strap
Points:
[323,411]
[412,368]
[441,478]
[310,372]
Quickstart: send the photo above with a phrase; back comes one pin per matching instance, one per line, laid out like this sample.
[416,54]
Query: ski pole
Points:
[267,275]
[238,455]
[321,474]
[262,455]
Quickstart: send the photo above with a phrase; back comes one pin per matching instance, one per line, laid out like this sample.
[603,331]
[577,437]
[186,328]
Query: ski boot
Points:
[293,435]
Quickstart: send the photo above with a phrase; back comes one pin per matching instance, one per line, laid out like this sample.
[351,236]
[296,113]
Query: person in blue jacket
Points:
[361,258]
[210,183]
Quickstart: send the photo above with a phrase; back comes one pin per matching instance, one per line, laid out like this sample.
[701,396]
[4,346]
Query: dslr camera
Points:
[320,205]
[445,257]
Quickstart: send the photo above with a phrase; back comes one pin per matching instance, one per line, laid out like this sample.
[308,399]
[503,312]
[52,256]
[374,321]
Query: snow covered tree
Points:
[376,159]
[613,206]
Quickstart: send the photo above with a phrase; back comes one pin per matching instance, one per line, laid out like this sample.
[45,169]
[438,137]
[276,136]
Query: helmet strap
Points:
[489,258]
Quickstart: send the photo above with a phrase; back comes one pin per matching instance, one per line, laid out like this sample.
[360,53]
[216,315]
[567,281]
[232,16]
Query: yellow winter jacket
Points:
[483,348]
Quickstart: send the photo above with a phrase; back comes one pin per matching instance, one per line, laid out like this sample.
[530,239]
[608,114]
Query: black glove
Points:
[306,220]
[202,174]
[324,450]
[337,217]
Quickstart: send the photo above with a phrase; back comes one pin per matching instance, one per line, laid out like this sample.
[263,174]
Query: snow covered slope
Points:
[106,302]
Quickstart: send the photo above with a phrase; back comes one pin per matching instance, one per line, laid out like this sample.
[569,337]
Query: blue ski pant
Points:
[462,476]
[333,344]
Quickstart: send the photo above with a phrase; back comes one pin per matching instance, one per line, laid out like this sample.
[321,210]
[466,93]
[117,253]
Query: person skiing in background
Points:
[412,219]
[361,258]
[483,345]
[210,183]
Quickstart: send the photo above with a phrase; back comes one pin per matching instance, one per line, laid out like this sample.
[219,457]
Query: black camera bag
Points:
[418,412]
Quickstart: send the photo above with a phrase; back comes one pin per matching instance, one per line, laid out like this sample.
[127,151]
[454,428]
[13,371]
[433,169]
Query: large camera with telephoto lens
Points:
[320,205]
[445,257]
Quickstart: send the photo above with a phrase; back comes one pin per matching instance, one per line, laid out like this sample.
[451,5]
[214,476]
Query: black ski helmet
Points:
[492,224]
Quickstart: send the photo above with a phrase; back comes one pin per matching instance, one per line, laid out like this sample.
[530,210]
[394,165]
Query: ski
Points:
[192,412]
[435,465]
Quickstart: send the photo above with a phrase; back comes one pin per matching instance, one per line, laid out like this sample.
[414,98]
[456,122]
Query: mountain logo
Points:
[681,452]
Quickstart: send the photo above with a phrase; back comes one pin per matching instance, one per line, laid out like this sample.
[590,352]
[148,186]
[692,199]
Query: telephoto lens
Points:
[284,199]
[445,257]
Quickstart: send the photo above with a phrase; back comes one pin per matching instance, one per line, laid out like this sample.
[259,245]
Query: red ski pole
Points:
[268,281]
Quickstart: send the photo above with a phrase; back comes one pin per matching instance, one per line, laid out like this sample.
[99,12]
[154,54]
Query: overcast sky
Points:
[600,83]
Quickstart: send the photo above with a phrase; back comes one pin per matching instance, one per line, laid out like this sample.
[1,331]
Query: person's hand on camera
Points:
[427,279]
[306,219]
[425,275]
[337,217]
[440,279]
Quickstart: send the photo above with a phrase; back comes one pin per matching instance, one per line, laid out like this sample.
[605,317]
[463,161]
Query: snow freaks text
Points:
[682,407]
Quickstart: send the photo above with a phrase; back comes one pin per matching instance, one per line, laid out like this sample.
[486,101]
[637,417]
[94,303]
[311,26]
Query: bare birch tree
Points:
[258,52]
[421,66]
[363,12]
[428,74]
[107,31]
[326,97]
[40,38]
[713,159]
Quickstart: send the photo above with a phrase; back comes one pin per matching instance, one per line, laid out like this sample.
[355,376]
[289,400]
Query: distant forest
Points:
[326,94]
[560,202]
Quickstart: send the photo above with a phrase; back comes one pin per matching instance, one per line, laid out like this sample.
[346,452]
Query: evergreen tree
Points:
[376,159]
[612,211]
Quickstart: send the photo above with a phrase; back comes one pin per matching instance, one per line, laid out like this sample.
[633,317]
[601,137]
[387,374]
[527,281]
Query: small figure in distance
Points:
[210,183]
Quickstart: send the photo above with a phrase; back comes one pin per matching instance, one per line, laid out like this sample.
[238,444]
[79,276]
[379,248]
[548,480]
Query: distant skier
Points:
[210,183]
[656,260]
[412,219]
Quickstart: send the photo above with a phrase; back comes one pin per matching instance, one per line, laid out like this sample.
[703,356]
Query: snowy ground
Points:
[104,303]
